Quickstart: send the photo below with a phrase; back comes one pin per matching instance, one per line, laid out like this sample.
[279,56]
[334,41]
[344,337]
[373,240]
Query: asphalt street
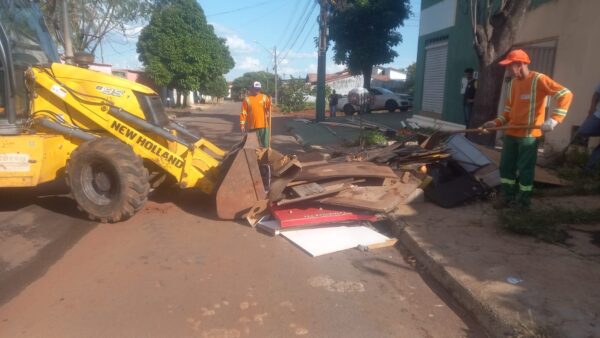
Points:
[175,270]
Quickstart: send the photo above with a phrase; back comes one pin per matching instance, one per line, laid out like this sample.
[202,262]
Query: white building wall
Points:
[343,86]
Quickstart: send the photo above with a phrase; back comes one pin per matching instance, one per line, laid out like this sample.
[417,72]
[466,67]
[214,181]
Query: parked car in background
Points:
[406,97]
[383,99]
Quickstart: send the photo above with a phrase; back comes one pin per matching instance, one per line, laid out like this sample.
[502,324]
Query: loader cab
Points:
[24,42]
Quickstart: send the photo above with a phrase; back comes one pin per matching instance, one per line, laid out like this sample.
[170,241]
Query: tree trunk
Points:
[367,71]
[489,88]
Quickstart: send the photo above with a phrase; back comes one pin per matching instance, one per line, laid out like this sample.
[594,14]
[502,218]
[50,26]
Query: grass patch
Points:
[546,224]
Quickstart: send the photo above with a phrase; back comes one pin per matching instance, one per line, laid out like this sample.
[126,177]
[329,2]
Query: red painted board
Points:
[307,216]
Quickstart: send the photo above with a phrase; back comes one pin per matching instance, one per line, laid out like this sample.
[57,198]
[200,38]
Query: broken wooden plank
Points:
[327,190]
[388,243]
[346,169]
[308,189]
[375,199]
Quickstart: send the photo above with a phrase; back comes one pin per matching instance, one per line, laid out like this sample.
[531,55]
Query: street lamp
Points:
[274,55]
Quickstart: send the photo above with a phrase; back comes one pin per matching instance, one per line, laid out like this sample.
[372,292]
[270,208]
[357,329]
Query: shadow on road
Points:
[39,225]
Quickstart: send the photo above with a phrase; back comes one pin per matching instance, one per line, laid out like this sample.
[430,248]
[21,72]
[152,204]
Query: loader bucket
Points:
[241,185]
[244,185]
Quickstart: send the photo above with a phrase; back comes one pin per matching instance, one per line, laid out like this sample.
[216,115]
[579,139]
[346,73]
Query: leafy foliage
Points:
[267,80]
[180,49]
[292,95]
[364,33]
[92,20]
[408,87]
[217,87]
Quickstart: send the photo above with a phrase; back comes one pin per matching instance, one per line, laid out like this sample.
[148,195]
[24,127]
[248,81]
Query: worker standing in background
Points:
[256,114]
[591,127]
[525,105]
[469,96]
[333,101]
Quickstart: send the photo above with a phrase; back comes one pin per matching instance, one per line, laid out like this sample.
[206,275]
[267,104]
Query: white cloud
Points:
[248,63]
[238,45]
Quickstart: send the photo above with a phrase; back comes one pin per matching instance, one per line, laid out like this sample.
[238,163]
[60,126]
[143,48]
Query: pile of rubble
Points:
[351,189]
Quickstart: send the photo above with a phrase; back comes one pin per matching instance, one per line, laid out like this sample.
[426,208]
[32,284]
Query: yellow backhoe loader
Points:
[109,137]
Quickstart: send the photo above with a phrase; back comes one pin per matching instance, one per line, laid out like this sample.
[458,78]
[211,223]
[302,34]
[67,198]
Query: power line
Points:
[239,9]
[298,24]
[289,22]
[301,30]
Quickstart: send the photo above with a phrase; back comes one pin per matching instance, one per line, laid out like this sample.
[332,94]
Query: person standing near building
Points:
[591,127]
[333,101]
[256,114]
[525,106]
[469,96]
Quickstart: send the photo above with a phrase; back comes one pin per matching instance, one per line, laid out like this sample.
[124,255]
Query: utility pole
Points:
[67,32]
[275,68]
[321,61]
[274,55]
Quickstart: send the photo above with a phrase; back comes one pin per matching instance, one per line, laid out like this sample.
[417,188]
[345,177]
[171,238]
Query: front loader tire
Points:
[108,180]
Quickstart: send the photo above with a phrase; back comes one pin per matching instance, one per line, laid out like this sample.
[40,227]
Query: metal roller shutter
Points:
[436,55]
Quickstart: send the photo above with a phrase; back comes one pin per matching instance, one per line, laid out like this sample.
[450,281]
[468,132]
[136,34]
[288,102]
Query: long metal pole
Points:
[276,77]
[67,32]
[321,69]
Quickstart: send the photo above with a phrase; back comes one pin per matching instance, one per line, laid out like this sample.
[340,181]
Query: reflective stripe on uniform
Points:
[559,111]
[502,119]
[561,93]
[507,108]
[532,98]
[508,181]
[525,187]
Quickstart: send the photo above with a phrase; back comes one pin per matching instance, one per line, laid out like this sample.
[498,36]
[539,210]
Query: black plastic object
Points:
[451,185]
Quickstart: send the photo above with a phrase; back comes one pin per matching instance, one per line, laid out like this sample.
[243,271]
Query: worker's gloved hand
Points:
[243,128]
[488,124]
[549,125]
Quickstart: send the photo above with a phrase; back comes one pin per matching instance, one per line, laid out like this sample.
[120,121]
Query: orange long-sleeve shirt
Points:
[526,103]
[255,111]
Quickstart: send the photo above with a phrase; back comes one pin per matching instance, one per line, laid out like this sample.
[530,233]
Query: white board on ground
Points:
[321,241]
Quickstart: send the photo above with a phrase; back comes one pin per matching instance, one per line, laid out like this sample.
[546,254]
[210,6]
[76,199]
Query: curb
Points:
[495,325]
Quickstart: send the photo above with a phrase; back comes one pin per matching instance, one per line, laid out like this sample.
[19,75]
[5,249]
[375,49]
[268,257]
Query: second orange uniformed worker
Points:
[525,105]
[256,113]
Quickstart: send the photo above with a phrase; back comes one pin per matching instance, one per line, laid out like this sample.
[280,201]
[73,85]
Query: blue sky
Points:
[253,26]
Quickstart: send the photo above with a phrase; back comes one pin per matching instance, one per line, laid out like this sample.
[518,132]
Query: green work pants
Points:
[263,135]
[517,169]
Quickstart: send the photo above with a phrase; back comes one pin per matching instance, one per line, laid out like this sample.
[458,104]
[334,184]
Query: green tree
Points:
[180,50]
[408,87]
[216,88]
[293,95]
[267,80]
[364,33]
[495,24]
[92,20]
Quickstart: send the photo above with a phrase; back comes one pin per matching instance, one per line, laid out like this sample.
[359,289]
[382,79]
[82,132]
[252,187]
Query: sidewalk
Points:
[515,286]
[557,290]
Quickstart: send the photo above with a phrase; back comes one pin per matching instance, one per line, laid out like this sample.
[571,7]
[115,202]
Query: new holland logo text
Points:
[147,144]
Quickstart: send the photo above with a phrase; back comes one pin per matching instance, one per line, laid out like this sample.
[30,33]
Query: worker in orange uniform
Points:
[525,105]
[256,114]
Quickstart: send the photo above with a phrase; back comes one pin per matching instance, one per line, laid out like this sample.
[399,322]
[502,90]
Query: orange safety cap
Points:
[517,55]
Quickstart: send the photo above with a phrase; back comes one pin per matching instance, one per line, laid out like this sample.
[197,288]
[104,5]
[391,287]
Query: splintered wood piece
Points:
[346,169]
[327,190]
[376,199]
[308,189]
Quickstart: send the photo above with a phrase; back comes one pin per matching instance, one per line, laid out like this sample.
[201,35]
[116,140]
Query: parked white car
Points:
[382,99]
